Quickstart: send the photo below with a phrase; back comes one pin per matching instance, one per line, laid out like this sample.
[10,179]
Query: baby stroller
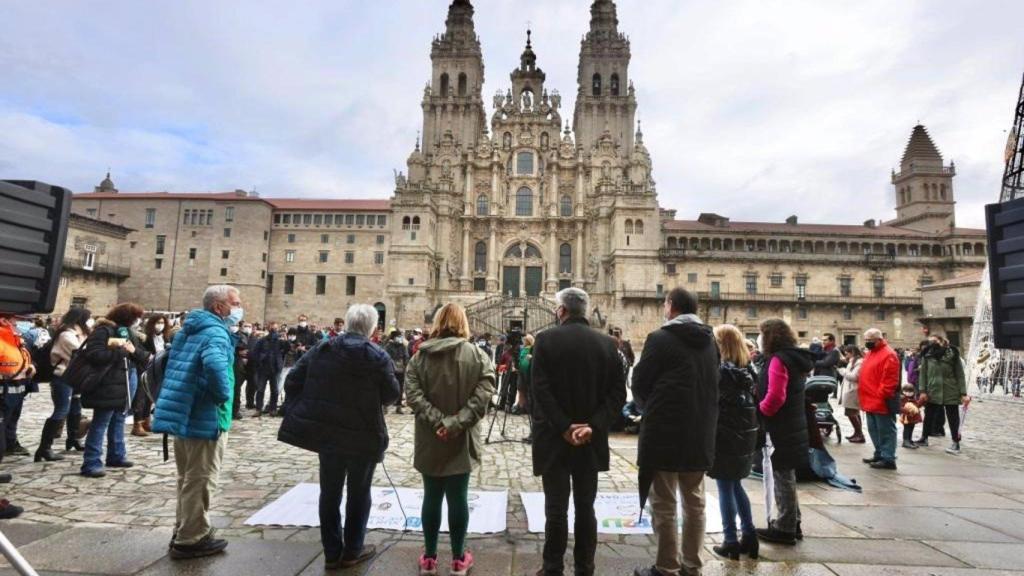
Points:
[817,391]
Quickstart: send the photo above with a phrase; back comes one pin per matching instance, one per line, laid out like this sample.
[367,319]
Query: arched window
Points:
[533,252]
[565,206]
[639,227]
[544,140]
[942,191]
[565,259]
[614,85]
[597,84]
[629,226]
[524,202]
[445,85]
[506,141]
[480,257]
[514,252]
[415,222]
[463,84]
[673,242]
[482,206]
[406,222]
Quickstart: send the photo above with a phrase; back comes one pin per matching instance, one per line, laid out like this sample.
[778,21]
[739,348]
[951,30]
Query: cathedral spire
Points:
[459,25]
[604,19]
[528,61]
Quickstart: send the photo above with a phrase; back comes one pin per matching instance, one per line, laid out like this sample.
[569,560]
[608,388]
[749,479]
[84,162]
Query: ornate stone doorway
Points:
[522,271]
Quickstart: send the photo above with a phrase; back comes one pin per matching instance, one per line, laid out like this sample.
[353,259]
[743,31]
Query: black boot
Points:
[72,429]
[730,550]
[45,451]
[750,545]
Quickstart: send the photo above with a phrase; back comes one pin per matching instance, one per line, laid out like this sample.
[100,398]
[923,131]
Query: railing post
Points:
[15,558]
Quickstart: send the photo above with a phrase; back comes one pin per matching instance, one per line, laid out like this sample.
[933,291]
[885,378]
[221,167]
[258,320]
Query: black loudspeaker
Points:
[33,231]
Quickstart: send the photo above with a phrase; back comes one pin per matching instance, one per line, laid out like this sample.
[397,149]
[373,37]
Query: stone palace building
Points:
[505,202]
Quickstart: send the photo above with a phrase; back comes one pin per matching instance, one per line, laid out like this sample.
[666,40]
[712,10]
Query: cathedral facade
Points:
[506,200]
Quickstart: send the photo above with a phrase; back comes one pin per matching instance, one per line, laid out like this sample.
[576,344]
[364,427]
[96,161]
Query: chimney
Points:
[792,220]
[869,223]
[241,193]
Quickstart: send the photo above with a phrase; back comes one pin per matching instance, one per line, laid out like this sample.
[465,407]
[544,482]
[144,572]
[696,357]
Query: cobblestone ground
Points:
[939,511]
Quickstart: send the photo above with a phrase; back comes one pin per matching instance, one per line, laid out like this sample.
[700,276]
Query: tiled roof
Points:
[325,204]
[965,280]
[276,203]
[920,147]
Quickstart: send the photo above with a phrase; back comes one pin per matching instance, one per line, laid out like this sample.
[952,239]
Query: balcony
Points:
[870,260]
[782,298]
[99,268]
[961,312]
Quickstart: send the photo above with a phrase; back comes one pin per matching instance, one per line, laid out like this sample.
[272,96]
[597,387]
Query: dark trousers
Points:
[12,414]
[263,379]
[400,376]
[908,432]
[556,528]
[250,386]
[952,415]
[334,469]
[936,426]
[236,404]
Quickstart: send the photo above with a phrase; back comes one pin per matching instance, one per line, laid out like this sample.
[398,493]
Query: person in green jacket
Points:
[943,387]
[448,385]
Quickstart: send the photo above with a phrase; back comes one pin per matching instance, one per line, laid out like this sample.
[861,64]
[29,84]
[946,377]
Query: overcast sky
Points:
[754,110]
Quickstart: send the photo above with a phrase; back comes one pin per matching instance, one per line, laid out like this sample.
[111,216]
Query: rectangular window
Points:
[360,219]
[286,219]
[371,219]
[350,257]
[670,269]
[277,218]
[264,256]
[339,219]
[752,312]
[350,285]
[880,315]
[90,212]
[161,243]
[209,217]
[479,284]
[350,219]
[191,253]
[380,240]
[716,290]
[914,251]
[289,256]
[382,220]
[563,284]
[845,287]
[223,271]
[159,263]
[291,238]
[524,163]
[691,278]
[289,284]
[801,288]
[202,217]
[801,313]
[150,217]
[229,214]
[318,219]
[879,285]
[227,232]
[324,254]
[378,258]
[307,219]
[776,280]
[350,239]
[321,285]
[847,314]
[325,238]
[263,274]
[751,284]
[266,235]
[225,254]
[951,303]
[715,311]
[270,283]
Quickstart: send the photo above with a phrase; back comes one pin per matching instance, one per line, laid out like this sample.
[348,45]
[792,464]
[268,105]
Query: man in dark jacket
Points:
[305,337]
[578,388]
[334,403]
[242,338]
[270,351]
[252,361]
[675,385]
[828,363]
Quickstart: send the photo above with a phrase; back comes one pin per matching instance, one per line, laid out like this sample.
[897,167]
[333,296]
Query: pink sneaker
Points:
[462,567]
[428,566]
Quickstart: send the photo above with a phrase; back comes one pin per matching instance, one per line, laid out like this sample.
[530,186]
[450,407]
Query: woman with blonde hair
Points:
[448,386]
[735,442]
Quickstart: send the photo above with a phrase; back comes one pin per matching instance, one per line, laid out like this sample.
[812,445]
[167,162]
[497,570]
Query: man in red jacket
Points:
[877,389]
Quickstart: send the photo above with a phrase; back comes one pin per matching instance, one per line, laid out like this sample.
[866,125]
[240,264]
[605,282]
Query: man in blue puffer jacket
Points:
[195,407]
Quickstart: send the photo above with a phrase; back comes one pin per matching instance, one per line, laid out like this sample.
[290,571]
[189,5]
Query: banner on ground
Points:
[300,507]
[617,513]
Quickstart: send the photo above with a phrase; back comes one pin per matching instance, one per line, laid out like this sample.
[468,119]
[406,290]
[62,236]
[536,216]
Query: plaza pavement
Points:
[937,515]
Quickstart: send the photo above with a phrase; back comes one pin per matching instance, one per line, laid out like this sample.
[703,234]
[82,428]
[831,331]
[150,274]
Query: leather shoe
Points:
[365,554]
[208,546]
[883,465]
[871,460]
[123,464]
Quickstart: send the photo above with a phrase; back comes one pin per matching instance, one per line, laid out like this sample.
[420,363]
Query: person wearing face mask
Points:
[943,388]
[242,338]
[255,334]
[67,406]
[113,349]
[195,407]
[156,336]
[269,357]
[305,337]
[878,393]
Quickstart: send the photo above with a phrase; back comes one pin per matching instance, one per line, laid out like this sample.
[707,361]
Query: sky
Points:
[753,110]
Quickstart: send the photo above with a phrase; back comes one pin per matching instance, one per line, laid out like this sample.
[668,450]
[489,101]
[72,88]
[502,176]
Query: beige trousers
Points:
[664,499]
[198,464]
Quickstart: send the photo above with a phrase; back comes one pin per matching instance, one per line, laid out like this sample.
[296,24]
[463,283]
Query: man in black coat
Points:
[828,363]
[676,386]
[269,353]
[578,388]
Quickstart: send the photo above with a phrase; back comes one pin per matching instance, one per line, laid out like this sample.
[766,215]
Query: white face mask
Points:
[137,323]
[303,324]
[158,327]
[90,323]
[233,329]
[291,338]
[247,330]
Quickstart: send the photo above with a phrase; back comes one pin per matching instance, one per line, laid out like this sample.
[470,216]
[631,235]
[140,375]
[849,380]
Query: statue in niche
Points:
[527,100]
[593,266]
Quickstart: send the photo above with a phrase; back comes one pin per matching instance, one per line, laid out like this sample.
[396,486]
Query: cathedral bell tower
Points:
[452,100]
[924,187]
[606,99]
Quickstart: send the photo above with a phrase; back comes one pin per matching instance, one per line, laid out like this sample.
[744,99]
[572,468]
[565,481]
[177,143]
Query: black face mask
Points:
[869,345]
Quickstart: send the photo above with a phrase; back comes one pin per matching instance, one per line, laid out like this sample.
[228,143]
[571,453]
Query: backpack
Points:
[41,358]
[153,377]
[80,374]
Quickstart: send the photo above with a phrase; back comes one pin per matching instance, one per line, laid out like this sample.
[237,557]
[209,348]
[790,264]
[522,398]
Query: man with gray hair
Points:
[578,387]
[334,399]
[194,406]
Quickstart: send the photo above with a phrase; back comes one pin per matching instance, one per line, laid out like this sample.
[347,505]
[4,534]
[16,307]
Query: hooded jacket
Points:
[113,391]
[676,386]
[879,380]
[942,376]
[787,428]
[448,383]
[333,399]
[736,437]
[199,381]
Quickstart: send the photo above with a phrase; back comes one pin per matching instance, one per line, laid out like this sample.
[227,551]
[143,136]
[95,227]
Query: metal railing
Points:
[784,298]
[941,313]
[98,268]
[15,558]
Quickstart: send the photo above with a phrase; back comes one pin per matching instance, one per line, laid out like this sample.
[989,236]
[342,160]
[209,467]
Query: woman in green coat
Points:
[943,387]
[448,385]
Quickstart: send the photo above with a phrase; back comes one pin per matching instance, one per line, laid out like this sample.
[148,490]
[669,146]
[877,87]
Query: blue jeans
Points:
[733,501]
[109,423]
[333,471]
[12,414]
[64,402]
[882,429]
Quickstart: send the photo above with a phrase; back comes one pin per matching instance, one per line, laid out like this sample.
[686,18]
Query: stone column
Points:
[470,201]
[466,254]
[578,255]
[553,260]
[492,261]
[555,196]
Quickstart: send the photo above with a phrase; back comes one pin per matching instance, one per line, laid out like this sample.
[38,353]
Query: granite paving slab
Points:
[860,551]
[984,555]
[24,533]
[1010,522]
[97,550]
[875,570]
[913,523]
[248,557]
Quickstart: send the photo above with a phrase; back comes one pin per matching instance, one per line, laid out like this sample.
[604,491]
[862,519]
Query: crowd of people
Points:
[707,400]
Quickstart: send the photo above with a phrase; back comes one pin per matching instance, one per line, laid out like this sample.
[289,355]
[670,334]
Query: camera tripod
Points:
[506,400]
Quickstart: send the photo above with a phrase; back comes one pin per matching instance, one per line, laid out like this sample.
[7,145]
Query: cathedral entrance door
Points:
[510,285]
[534,280]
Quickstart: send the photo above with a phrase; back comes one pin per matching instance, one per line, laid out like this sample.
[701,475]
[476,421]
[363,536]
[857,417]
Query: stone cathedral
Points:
[504,201]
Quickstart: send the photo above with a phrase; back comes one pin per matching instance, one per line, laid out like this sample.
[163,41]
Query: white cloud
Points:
[751,109]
